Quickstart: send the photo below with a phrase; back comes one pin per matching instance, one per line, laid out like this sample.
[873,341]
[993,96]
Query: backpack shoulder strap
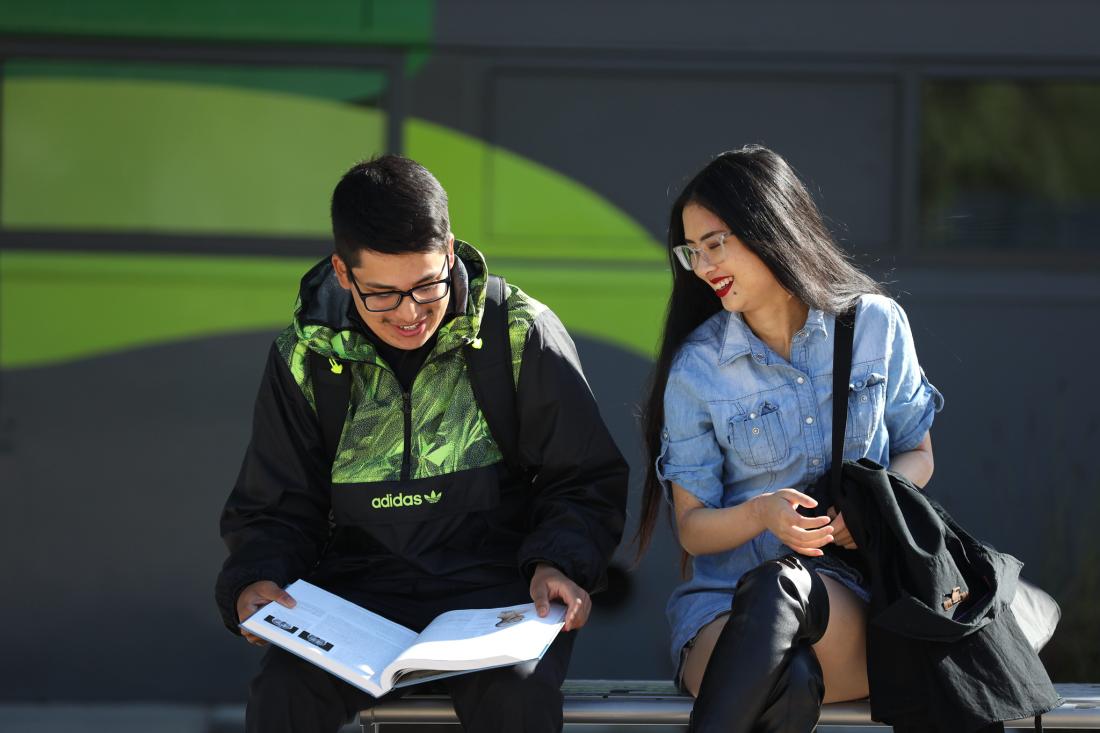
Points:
[842,374]
[490,370]
[331,394]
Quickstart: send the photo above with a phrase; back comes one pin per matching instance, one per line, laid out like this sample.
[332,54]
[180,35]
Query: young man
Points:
[397,306]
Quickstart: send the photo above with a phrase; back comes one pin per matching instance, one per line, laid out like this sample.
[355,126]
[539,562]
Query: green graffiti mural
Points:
[167,149]
[173,155]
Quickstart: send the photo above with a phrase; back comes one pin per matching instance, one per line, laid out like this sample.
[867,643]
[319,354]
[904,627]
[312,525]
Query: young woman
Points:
[738,431]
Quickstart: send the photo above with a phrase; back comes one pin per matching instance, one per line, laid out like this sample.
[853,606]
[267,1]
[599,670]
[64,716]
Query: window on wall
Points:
[1011,165]
[189,148]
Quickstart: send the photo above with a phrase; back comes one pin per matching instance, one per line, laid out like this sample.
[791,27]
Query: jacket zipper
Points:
[406,458]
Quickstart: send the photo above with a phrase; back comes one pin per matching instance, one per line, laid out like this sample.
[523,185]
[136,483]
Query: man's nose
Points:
[408,310]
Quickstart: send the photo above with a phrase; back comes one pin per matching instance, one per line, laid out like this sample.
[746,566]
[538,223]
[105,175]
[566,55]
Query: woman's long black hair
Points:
[761,200]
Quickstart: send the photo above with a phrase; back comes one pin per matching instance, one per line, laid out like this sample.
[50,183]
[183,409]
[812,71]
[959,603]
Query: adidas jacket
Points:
[418,500]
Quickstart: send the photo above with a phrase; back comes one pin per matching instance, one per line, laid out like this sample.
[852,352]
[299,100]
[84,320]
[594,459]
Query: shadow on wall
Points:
[122,463]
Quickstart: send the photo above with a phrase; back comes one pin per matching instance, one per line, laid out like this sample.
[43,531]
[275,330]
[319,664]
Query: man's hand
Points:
[548,583]
[256,596]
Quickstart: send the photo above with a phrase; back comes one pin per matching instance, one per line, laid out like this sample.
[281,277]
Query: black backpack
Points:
[491,377]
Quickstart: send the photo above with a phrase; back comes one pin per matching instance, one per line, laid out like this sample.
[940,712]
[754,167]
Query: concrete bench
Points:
[647,702]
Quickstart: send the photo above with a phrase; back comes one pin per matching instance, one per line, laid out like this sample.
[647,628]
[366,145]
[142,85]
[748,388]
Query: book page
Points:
[335,634]
[479,638]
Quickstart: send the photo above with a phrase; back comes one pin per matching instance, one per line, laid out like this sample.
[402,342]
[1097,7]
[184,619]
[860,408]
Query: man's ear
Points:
[450,250]
[341,272]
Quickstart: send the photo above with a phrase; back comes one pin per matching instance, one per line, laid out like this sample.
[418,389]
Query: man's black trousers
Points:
[290,694]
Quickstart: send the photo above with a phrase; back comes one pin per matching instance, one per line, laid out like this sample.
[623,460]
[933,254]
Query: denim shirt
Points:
[740,420]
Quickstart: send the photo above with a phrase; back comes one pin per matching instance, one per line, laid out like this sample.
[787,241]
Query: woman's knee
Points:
[786,576]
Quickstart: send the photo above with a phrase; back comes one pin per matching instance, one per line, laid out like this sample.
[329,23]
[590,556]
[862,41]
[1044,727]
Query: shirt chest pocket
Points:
[866,402]
[755,433]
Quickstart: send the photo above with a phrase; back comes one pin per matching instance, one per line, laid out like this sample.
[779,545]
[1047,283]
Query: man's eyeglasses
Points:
[712,252]
[388,300]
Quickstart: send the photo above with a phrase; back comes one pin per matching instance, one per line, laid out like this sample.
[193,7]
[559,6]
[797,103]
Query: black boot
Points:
[763,676]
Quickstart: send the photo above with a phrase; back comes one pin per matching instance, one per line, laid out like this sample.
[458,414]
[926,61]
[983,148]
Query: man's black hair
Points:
[388,204]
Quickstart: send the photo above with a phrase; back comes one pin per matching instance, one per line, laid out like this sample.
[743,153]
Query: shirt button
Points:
[756,431]
[800,380]
[664,434]
[816,461]
[752,415]
[809,421]
[863,398]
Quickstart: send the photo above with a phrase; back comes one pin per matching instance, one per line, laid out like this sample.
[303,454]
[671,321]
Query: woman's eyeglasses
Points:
[712,252]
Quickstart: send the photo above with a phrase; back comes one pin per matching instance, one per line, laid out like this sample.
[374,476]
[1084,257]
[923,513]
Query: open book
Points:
[377,655]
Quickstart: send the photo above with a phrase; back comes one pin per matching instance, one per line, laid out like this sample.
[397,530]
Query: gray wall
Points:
[629,98]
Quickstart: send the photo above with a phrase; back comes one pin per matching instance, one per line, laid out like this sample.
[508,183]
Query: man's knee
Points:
[522,699]
[516,700]
[292,694]
[283,675]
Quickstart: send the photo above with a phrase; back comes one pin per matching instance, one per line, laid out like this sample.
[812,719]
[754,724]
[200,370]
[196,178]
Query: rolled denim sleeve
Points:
[911,400]
[690,454]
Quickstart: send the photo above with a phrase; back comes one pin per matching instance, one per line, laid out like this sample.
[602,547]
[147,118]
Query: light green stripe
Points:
[622,307]
[124,155]
[513,207]
[61,306]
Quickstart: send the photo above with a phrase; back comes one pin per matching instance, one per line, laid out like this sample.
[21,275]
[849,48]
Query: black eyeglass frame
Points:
[402,294]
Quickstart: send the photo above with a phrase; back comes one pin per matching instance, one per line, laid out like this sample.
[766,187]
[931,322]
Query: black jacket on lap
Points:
[944,651]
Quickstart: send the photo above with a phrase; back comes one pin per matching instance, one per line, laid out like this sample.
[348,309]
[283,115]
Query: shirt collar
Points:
[739,339]
[815,321]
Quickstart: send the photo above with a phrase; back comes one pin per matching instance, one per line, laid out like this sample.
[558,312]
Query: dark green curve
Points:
[404,23]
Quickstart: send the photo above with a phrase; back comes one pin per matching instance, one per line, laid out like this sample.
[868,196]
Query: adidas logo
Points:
[395,501]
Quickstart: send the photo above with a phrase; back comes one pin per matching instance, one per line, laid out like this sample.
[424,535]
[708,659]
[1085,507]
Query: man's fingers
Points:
[541,596]
[253,639]
[577,606]
[578,612]
[808,551]
[269,591]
